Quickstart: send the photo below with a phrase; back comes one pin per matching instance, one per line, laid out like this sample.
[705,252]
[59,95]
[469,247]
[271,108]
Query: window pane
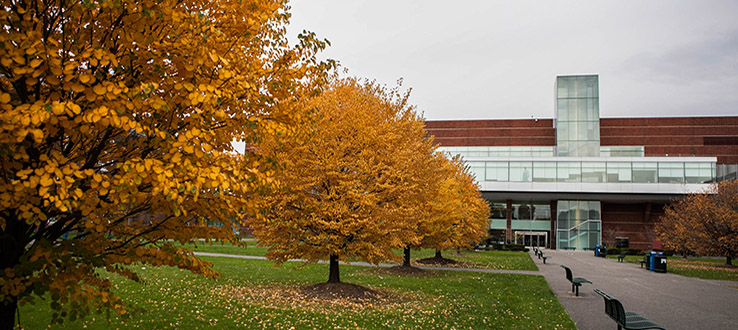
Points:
[498,211]
[593,172]
[544,171]
[520,171]
[644,172]
[569,172]
[671,172]
[477,168]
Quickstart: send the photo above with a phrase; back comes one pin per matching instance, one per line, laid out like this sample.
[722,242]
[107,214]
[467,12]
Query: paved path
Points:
[673,301]
[359,263]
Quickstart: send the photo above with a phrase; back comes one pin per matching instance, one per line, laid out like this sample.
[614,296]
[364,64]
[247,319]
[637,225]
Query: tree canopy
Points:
[458,215]
[705,222]
[116,128]
[353,184]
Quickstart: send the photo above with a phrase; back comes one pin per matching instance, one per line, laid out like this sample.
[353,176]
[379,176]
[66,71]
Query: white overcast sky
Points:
[499,59]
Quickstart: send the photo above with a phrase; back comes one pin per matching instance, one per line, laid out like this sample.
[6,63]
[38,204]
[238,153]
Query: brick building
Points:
[578,180]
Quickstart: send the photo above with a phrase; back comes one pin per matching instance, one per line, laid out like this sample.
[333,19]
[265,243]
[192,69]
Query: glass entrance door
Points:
[532,238]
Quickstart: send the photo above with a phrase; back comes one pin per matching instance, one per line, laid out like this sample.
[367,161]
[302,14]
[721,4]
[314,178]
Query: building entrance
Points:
[532,238]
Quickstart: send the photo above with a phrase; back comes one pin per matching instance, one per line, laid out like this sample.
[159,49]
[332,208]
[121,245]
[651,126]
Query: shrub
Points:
[509,247]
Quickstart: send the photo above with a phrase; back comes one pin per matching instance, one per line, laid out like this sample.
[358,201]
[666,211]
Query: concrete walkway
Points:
[673,301]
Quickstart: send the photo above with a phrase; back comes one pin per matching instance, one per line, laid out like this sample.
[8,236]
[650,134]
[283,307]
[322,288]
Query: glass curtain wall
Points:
[601,172]
[532,217]
[578,224]
[577,116]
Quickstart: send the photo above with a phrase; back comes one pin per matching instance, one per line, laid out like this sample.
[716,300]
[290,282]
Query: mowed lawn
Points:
[477,259]
[704,268]
[253,294]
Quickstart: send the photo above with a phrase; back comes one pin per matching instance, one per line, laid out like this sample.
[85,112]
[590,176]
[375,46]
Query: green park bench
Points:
[576,282]
[621,257]
[540,255]
[625,320]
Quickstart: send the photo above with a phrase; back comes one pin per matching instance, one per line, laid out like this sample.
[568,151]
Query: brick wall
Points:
[635,221]
[514,132]
[683,136]
[687,136]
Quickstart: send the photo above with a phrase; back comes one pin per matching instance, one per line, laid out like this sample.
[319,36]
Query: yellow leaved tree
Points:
[115,135]
[458,215]
[353,184]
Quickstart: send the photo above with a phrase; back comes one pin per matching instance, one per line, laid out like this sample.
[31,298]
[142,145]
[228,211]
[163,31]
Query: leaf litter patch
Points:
[323,297]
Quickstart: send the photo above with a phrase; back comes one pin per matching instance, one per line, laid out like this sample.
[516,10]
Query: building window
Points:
[497,171]
[578,224]
[619,172]
[498,211]
[698,172]
[544,171]
[477,168]
[644,172]
[521,171]
[671,172]
[593,172]
[569,172]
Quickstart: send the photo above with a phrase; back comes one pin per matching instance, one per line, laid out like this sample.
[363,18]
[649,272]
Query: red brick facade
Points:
[635,221]
[514,132]
[687,136]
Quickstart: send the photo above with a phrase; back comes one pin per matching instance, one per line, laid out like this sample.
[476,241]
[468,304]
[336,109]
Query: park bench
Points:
[625,320]
[621,257]
[569,248]
[643,261]
[540,255]
[576,282]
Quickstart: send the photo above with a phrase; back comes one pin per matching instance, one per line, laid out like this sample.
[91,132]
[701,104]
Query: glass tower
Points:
[577,116]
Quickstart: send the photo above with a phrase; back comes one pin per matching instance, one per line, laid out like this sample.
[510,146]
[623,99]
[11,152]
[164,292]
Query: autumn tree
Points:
[703,222]
[116,128]
[353,184]
[458,213]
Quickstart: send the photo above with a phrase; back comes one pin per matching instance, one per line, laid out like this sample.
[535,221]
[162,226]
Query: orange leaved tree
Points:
[353,185]
[458,213]
[115,135]
[704,222]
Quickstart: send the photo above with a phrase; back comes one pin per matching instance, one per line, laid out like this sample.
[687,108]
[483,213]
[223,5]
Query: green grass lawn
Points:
[252,294]
[704,268]
[480,259]
[251,248]
[484,259]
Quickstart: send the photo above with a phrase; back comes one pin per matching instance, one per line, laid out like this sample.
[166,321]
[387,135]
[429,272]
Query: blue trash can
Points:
[597,250]
[652,261]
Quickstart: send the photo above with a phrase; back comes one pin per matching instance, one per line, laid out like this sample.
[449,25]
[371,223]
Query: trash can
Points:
[659,263]
[651,261]
[597,250]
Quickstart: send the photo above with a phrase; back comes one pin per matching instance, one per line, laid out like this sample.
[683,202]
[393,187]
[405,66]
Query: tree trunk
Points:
[729,261]
[333,275]
[406,262]
[11,249]
[438,254]
[7,314]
